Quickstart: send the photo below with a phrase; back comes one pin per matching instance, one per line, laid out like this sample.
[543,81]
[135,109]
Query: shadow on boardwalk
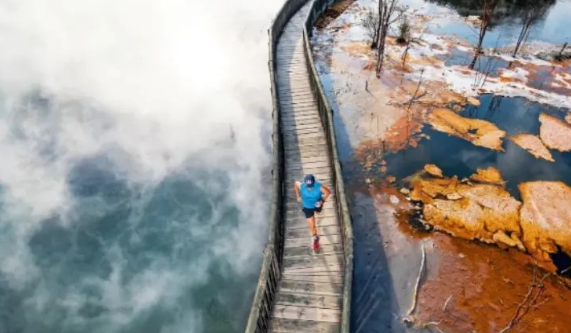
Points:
[375,307]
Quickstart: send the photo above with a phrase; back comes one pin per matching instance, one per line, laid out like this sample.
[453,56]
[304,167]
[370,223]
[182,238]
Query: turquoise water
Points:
[135,143]
[135,257]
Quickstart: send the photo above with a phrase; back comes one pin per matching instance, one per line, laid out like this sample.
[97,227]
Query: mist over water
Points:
[134,158]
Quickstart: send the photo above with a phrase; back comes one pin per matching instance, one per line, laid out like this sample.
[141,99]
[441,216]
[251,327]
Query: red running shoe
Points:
[315,244]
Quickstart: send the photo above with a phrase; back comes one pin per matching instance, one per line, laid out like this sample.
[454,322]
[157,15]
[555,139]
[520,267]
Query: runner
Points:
[312,195]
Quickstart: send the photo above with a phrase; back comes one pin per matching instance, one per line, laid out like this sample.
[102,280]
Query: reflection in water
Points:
[484,64]
[546,18]
[459,157]
[506,11]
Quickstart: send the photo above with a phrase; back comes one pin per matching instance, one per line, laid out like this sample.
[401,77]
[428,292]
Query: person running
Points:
[312,195]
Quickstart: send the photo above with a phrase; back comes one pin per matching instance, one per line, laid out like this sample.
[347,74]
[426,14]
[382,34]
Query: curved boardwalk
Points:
[310,292]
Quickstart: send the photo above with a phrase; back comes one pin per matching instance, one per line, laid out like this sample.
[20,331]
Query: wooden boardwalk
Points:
[310,292]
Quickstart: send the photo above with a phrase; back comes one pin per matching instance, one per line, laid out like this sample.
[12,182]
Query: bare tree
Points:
[386,11]
[404,30]
[371,25]
[487,13]
[559,57]
[529,18]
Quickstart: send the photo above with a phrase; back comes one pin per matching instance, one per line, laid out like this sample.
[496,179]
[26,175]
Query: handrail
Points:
[326,114]
[260,313]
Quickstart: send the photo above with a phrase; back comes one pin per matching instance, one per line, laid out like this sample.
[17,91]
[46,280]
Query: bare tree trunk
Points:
[488,8]
[559,57]
[478,50]
[522,36]
[405,53]
[530,18]
[376,36]
[386,11]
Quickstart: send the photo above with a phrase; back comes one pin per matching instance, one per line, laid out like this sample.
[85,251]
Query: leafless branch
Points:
[417,286]
[530,300]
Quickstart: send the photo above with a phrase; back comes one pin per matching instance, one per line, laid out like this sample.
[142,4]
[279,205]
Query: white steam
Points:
[156,87]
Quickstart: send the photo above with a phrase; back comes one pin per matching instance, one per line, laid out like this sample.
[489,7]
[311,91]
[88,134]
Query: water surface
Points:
[456,156]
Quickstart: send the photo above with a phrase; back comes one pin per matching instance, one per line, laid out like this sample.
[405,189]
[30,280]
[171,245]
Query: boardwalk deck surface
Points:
[310,292]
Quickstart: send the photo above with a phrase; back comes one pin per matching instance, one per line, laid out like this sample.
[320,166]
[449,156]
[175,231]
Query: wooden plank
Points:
[307,251]
[285,97]
[315,278]
[308,152]
[310,169]
[308,159]
[321,230]
[301,224]
[315,136]
[301,122]
[325,264]
[302,156]
[324,240]
[306,313]
[316,288]
[305,147]
[299,104]
[299,111]
[299,142]
[316,260]
[280,325]
[297,90]
[293,165]
[320,301]
[297,116]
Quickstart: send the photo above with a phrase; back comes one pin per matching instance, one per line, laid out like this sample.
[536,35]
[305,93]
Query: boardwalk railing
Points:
[326,115]
[261,311]
[270,274]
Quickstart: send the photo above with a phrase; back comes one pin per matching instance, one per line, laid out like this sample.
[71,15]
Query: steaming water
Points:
[134,144]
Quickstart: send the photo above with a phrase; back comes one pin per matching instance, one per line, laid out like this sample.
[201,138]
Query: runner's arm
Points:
[296,190]
[326,192]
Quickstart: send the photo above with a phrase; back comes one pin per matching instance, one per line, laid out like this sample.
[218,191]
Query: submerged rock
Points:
[533,145]
[546,218]
[555,133]
[490,175]
[480,132]
[472,211]
[433,170]
[487,212]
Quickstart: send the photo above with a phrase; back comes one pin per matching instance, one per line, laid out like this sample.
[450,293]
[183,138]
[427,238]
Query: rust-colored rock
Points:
[533,145]
[433,170]
[473,101]
[472,211]
[480,132]
[546,217]
[490,175]
[555,133]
